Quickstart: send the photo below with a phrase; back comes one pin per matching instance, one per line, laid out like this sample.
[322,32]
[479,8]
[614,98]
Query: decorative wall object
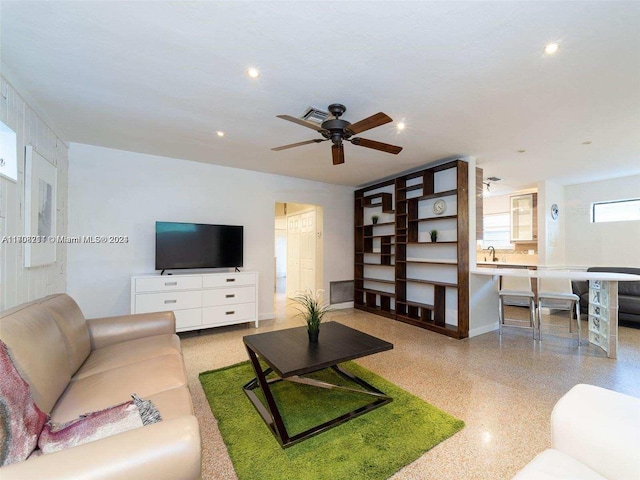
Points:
[40,210]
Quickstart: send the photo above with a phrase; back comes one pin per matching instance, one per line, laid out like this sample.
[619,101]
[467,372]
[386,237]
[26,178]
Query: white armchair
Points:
[595,435]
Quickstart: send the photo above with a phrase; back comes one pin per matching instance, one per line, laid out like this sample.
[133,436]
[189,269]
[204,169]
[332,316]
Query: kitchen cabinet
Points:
[524,225]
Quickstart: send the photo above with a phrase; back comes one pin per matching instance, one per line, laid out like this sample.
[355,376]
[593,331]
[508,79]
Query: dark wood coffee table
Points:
[290,355]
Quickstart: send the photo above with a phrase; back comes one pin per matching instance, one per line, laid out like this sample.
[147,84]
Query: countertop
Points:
[505,264]
[570,274]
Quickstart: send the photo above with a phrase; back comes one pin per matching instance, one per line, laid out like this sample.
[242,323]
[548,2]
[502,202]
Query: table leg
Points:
[603,315]
[271,416]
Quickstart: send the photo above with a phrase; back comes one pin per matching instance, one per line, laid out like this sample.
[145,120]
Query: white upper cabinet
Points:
[523,218]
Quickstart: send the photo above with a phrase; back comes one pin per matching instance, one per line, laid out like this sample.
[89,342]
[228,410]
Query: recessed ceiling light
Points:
[588,142]
[253,72]
[220,133]
[551,48]
[401,126]
[521,151]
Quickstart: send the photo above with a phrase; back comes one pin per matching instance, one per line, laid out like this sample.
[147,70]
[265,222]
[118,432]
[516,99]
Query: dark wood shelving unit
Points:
[378,280]
[370,241]
[446,242]
[386,201]
[415,307]
[377,224]
[447,193]
[432,219]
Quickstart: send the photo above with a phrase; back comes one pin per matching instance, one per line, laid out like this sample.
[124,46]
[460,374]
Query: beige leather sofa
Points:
[75,366]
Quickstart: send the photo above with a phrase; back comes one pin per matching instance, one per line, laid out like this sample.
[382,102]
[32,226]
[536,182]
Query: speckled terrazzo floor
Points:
[503,388]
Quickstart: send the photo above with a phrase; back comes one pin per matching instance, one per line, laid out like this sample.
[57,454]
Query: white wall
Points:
[113,192]
[551,233]
[614,244]
[17,283]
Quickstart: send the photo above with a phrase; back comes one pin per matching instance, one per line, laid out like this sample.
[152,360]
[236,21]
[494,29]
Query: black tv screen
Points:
[197,245]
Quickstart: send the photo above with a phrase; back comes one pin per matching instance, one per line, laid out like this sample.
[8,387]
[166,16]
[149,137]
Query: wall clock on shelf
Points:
[439,207]
[554,211]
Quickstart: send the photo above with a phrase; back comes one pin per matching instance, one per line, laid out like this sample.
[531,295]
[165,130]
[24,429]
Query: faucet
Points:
[492,250]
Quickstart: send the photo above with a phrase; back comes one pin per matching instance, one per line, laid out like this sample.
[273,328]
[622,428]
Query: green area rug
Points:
[370,447]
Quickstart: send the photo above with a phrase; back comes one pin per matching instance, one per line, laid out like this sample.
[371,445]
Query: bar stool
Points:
[557,294]
[519,289]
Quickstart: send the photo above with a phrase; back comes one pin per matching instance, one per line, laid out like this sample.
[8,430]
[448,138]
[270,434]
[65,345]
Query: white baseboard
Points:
[474,332]
[341,306]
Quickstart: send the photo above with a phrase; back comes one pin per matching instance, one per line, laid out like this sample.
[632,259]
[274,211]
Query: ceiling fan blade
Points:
[312,126]
[384,147]
[370,122]
[299,144]
[337,151]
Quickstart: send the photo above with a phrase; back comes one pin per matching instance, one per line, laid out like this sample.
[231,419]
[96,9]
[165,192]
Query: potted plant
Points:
[434,235]
[313,311]
[374,219]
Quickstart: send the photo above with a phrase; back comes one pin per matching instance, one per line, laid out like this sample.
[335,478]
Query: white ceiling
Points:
[468,78]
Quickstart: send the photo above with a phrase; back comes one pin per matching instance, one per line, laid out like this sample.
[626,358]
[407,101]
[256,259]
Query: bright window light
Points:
[616,211]
[496,231]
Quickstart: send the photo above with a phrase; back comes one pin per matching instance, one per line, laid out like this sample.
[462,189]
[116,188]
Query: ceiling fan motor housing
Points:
[337,130]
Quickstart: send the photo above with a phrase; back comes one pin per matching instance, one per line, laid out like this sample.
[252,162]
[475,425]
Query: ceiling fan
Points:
[338,130]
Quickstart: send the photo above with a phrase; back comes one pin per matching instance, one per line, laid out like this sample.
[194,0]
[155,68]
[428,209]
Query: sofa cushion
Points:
[173,403]
[73,326]
[555,465]
[20,418]
[126,353]
[38,351]
[115,386]
[627,303]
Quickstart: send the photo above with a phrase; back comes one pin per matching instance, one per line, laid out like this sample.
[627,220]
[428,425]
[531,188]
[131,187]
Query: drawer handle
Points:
[231,312]
[170,284]
[231,279]
[230,296]
[170,301]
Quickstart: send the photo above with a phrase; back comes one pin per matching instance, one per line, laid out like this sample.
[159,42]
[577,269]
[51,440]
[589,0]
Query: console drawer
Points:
[158,302]
[228,296]
[186,319]
[229,313]
[228,280]
[168,283]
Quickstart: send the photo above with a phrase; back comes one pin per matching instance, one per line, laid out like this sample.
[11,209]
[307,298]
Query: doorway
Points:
[298,250]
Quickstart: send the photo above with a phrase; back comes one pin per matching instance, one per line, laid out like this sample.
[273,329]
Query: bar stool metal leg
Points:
[532,317]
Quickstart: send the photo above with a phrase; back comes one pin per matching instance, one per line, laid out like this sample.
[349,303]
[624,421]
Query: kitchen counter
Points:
[506,264]
[603,296]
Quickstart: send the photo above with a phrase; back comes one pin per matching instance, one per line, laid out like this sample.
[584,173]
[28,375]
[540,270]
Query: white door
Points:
[293,255]
[308,251]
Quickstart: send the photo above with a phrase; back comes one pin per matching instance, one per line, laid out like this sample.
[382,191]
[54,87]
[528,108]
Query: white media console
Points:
[198,300]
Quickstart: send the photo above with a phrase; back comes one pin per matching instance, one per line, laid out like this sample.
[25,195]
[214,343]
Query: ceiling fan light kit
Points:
[338,131]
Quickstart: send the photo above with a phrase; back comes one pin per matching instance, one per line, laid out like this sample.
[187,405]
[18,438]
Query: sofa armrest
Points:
[579,287]
[110,330]
[162,451]
[601,429]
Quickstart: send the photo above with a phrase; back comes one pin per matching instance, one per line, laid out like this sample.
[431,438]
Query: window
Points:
[616,211]
[497,231]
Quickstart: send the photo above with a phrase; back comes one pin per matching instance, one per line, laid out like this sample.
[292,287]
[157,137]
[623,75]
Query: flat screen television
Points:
[197,245]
